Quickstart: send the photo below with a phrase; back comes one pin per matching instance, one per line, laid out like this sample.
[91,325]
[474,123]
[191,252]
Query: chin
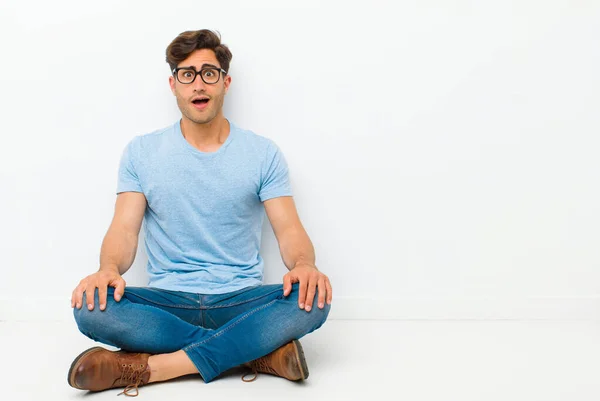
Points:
[203,121]
[192,116]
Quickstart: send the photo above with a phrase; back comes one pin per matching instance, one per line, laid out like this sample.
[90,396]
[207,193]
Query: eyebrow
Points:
[203,66]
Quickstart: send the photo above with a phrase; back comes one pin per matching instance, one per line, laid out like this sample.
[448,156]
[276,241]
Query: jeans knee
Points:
[316,317]
[312,320]
[320,316]
[89,320]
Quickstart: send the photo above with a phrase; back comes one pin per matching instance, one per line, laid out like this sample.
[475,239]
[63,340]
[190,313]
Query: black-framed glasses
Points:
[187,75]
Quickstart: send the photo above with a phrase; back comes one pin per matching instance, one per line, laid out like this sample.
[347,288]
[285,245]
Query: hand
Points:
[101,280]
[310,279]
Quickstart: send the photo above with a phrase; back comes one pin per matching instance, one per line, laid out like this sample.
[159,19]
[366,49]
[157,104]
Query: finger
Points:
[78,296]
[102,289]
[302,292]
[322,291]
[310,295]
[89,296]
[119,290]
[329,292]
[287,285]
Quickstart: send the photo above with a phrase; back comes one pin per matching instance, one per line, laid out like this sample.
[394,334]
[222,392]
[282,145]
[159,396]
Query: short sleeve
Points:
[275,180]
[128,180]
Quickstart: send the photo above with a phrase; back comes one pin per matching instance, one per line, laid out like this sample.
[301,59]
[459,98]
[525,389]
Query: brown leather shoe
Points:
[99,369]
[287,361]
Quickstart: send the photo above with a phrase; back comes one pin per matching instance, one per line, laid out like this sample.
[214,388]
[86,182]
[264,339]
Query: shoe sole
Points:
[72,370]
[301,359]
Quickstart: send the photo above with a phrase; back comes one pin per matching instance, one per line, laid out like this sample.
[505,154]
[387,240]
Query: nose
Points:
[198,84]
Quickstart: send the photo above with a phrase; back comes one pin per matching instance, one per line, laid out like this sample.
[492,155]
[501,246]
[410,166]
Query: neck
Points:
[207,136]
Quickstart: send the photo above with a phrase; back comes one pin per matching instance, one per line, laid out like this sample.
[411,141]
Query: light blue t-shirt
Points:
[204,216]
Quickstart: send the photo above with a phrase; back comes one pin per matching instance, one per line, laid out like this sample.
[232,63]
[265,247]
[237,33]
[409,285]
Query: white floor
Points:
[352,360]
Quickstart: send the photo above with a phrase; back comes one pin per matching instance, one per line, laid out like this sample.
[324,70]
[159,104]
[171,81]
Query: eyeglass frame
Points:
[196,73]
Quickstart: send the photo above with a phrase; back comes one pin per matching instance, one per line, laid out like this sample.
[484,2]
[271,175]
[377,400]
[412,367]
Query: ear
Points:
[227,82]
[172,84]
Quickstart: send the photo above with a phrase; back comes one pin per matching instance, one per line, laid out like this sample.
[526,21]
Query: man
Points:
[201,186]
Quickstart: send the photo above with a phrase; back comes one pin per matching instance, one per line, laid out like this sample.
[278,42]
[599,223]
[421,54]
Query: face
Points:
[185,93]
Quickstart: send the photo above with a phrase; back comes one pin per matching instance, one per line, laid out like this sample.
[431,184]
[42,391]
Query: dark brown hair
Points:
[184,44]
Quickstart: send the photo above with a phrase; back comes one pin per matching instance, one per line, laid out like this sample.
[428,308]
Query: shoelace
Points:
[133,376]
[259,365]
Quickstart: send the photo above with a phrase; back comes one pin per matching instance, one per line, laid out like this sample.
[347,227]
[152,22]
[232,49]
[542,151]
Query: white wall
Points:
[444,157]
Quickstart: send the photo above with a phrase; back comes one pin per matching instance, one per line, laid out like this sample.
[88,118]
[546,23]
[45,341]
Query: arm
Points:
[120,242]
[298,254]
[294,244]
[117,253]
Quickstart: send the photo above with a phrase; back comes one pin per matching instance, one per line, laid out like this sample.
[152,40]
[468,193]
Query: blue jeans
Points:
[217,332]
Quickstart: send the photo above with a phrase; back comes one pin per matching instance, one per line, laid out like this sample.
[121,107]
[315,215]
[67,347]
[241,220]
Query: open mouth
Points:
[200,103]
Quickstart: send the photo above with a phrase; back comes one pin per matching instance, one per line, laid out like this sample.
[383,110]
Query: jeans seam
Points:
[201,311]
[244,301]
[211,319]
[242,318]
[180,306]
[167,305]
